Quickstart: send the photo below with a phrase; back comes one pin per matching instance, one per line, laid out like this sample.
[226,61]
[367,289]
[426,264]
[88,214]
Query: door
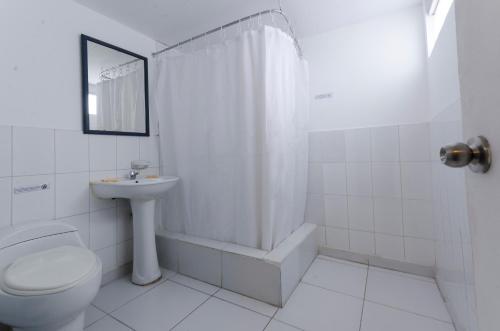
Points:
[478,41]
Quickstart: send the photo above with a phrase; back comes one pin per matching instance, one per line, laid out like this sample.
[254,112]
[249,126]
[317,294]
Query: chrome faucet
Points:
[136,166]
[133,174]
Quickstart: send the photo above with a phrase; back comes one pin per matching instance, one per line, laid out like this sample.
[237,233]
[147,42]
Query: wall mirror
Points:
[115,90]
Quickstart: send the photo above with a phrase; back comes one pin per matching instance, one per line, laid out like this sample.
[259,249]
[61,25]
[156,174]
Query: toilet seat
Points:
[48,272]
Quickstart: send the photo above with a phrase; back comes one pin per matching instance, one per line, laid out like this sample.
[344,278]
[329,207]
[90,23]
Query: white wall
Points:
[370,192]
[40,85]
[375,69]
[41,140]
[454,272]
[478,33]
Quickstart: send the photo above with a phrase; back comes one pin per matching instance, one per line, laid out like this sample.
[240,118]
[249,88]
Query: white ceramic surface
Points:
[142,193]
[62,310]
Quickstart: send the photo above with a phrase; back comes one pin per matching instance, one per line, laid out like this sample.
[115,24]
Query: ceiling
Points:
[170,21]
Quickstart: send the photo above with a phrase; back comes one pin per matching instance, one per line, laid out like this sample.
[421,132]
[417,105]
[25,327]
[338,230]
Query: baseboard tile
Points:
[380,262]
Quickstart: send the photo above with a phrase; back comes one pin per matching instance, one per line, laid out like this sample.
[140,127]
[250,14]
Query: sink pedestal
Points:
[146,269]
[142,193]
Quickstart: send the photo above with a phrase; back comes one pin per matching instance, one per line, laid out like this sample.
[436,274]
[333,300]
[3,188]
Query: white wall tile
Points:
[124,252]
[315,178]
[35,205]
[337,238]
[416,180]
[5,201]
[385,144]
[72,194]
[102,153]
[418,219]
[5,151]
[388,215]
[82,223]
[108,258]
[33,151]
[336,211]
[362,242]
[327,146]
[359,181]
[360,213]
[315,209]
[127,150]
[334,178]
[149,150]
[201,262]
[124,229]
[98,203]
[102,228]
[321,235]
[386,180]
[72,151]
[150,171]
[415,142]
[390,247]
[358,145]
[420,251]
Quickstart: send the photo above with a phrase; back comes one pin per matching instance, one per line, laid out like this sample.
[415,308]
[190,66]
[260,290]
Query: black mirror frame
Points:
[85,88]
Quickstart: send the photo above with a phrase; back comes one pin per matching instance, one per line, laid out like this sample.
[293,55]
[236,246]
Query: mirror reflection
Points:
[116,90]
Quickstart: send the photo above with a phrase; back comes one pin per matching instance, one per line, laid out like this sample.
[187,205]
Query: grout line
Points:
[122,323]
[270,320]
[193,288]
[201,304]
[347,205]
[246,308]
[364,297]
[409,312]
[140,295]
[286,323]
[330,290]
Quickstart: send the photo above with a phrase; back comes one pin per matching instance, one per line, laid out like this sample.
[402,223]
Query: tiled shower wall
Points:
[454,264]
[66,161]
[370,191]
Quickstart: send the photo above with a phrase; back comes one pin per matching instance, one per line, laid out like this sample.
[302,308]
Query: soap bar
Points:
[110,180]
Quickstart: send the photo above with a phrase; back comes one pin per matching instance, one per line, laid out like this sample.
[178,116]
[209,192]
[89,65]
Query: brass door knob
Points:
[476,154]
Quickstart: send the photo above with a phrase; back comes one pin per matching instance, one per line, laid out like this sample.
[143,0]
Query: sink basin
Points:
[142,193]
[141,188]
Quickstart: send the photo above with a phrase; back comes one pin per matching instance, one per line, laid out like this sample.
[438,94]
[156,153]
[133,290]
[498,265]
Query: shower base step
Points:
[266,276]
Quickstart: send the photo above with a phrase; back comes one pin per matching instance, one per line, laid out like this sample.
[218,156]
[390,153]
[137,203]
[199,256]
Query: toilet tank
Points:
[21,240]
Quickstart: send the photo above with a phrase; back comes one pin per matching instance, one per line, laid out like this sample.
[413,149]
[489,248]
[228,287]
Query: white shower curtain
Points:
[121,103]
[233,122]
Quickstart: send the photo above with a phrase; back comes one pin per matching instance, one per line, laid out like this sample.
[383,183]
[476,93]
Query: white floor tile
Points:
[161,308]
[92,314]
[195,284]
[249,303]
[344,277]
[408,293]
[312,308]
[381,318]
[118,293]
[275,325]
[218,315]
[108,324]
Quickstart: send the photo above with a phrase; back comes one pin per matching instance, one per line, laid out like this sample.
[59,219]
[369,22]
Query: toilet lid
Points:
[49,271]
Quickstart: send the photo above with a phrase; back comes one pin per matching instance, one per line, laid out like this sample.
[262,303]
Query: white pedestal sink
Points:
[142,193]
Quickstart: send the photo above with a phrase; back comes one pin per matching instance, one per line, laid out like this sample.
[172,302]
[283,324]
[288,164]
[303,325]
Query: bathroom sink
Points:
[141,188]
[142,193]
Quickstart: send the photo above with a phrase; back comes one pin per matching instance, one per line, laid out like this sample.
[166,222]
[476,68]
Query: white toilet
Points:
[47,277]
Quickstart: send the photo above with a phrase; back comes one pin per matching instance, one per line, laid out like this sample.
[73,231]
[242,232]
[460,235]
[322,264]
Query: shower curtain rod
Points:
[246,18]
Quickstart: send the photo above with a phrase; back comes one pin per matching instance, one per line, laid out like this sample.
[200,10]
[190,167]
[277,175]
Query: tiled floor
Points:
[334,295]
